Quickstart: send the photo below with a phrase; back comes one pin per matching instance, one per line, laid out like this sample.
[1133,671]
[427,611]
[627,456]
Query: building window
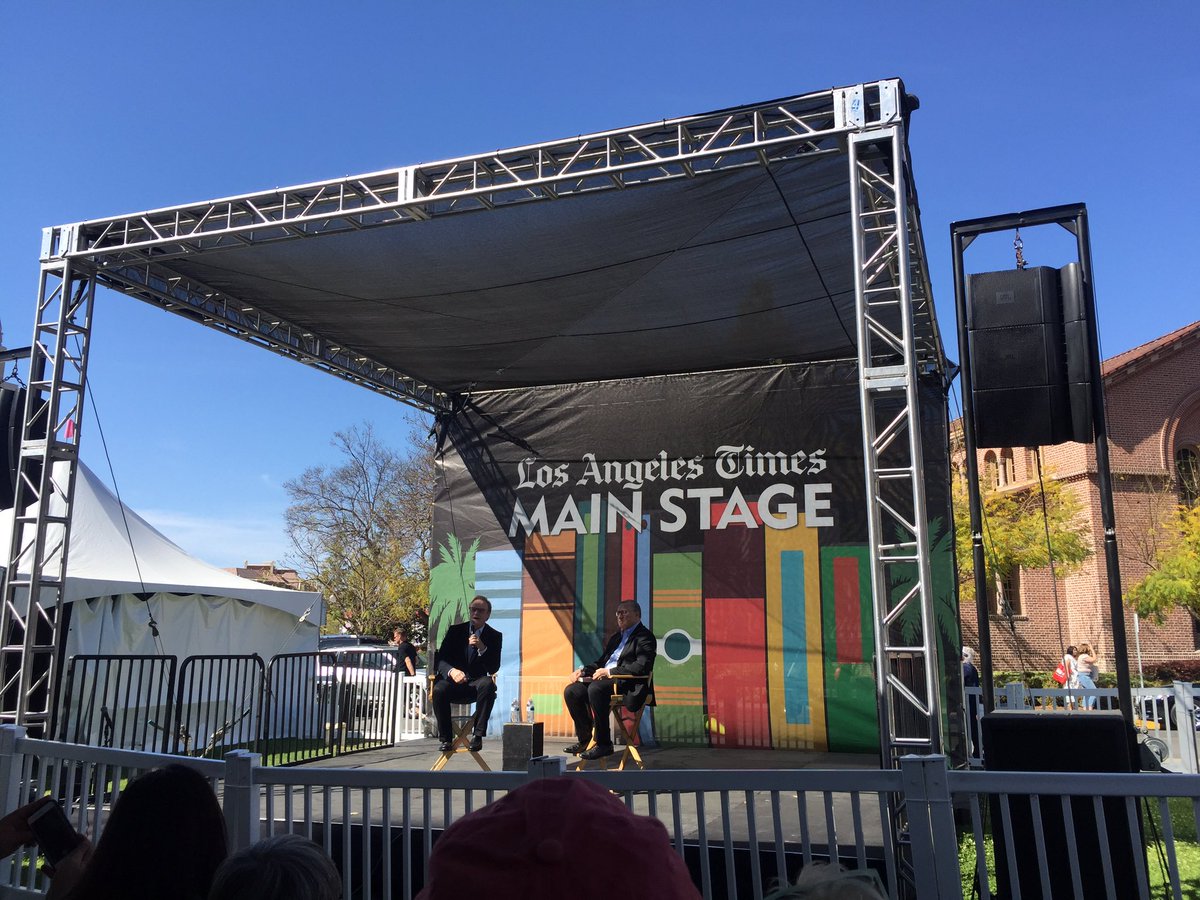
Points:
[1187,472]
[1195,633]
[1008,473]
[1005,595]
[991,472]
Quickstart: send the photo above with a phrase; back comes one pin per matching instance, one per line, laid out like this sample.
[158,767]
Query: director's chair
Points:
[461,714]
[628,731]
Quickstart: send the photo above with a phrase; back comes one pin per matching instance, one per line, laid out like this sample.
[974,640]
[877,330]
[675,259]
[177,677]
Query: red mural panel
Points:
[847,610]
[736,672]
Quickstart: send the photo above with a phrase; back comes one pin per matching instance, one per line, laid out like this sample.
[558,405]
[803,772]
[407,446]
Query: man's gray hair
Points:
[283,867]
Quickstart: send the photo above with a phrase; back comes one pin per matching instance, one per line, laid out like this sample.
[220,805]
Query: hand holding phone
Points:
[55,834]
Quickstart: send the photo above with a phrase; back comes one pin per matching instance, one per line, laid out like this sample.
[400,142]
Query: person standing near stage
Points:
[405,651]
[1086,671]
[970,676]
[630,651]
[467,658]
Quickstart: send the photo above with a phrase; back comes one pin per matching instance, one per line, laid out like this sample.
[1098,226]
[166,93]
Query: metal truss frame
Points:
[133,253]
[31,616]
[890,281]
[891,287]
[896,326]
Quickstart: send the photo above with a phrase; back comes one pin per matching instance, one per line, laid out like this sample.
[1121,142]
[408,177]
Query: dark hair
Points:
[165,837]
[283,867]
[484,599]
[637,607]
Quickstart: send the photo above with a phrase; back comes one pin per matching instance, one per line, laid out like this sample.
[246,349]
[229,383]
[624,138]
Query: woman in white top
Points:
[1072,669]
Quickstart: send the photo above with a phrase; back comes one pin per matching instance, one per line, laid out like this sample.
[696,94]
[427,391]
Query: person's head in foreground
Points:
[556,837]
[283,867]
[165,837]
[832,882]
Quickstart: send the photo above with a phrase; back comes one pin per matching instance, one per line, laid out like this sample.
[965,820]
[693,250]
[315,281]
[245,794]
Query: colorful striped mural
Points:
[794,639]
[735,656]
[851,703]
[547,623]
[679,625]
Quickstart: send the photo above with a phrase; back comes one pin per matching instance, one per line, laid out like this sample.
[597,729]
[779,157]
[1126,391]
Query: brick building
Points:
[269,573]
[1153,402]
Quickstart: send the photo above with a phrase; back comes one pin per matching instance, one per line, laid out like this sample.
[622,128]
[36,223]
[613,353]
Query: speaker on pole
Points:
[1027,331]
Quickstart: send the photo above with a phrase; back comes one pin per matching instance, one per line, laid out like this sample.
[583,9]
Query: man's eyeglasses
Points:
[479,609]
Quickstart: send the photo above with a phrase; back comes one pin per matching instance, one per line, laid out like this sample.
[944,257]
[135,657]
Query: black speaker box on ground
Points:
[1029,373]
[1091,741]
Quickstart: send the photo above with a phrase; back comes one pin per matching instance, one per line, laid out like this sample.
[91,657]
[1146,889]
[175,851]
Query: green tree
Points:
[361,532]
[1174,578]
[1014,530]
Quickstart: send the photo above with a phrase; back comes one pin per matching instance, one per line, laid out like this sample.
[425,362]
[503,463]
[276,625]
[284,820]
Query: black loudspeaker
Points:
[1076,325]
[1029,371]
[1092,741]
[12,411]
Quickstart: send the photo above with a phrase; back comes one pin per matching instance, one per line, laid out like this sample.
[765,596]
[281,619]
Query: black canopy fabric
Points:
[725,270]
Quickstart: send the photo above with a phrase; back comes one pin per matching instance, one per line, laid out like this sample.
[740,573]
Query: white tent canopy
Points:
[127,571]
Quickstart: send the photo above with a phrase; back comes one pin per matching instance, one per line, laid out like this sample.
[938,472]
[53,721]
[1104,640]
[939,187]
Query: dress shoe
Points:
[598,752]
[476,743]
[446,746]
[575,749]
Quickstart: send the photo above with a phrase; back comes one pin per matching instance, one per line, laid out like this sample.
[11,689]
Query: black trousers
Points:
[589,706]
[481,692]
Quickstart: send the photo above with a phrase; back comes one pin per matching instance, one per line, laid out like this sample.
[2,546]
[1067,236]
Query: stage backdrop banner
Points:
[730,505]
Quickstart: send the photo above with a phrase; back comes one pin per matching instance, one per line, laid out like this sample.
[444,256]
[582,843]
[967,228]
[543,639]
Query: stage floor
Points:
[422,753]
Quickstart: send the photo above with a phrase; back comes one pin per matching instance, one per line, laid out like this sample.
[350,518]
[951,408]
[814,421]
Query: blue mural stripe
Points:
[498,577]
[795,633]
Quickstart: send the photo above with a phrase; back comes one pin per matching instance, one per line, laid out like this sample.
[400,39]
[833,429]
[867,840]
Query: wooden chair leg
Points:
[461,744]
[629,733]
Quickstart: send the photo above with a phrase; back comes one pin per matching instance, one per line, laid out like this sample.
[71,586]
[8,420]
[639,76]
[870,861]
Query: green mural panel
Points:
[851,707]
[679,670]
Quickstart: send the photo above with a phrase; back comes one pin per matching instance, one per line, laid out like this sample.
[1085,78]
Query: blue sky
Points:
[115,107]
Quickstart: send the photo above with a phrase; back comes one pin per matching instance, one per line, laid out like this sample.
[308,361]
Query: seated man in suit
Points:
[630,651]
[467,659]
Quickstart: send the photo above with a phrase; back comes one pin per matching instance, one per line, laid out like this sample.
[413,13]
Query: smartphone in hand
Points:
[55,834]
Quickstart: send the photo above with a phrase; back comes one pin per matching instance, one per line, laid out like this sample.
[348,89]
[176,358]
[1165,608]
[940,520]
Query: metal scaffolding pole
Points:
[31,619]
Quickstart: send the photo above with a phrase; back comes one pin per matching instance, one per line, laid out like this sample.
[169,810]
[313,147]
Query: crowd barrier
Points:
[297,707]
[737,831]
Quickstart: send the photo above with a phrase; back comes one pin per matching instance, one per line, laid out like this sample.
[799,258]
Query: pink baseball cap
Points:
[556,837]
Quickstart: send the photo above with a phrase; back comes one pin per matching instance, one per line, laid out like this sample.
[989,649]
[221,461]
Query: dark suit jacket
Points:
[637,658]
[452,654]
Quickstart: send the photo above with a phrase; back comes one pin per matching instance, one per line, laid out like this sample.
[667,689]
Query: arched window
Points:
[1187,474]
[991,472]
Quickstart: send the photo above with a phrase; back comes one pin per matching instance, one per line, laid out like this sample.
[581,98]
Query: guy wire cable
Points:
[989,547]
[1037,452]
[151,623]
